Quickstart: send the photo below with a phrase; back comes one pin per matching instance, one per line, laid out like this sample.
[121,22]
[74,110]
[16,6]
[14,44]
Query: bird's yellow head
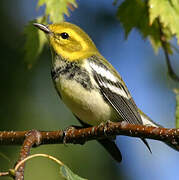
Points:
[69,41]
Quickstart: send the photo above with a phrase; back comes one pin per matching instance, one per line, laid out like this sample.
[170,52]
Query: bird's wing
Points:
[116,93]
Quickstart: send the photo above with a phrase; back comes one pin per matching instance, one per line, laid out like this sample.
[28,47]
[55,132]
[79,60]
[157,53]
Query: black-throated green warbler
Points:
[87,83]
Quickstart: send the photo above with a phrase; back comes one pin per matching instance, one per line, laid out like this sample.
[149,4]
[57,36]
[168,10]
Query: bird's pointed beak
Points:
[42,27]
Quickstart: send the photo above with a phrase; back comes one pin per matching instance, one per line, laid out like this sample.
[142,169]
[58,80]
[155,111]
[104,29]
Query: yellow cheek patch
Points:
[78,38]
[76,47]
[67,45]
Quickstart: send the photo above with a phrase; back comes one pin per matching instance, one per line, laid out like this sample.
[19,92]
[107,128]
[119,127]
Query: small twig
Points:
[163,40]
[14,172]
[20,163]
[4,174]
[32,138]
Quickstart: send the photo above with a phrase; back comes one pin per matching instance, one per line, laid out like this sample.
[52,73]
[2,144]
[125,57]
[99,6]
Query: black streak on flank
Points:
[71,71]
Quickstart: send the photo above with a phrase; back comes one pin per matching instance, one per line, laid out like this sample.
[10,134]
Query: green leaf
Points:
[134,14]
[168,13]
[56,8]
[68,174]
[35,41]
[130,13]
[177,107]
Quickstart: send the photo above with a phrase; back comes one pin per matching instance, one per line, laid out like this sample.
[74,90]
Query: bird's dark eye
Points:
[64,35]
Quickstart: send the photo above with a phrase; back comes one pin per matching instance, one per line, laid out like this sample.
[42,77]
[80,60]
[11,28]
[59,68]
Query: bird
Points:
[88,84]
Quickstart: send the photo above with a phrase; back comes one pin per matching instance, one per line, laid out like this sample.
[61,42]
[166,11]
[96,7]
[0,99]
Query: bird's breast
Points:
[88,105]
[79,91]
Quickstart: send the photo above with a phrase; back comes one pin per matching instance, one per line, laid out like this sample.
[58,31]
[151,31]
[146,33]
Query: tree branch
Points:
[80,136]
[77,136]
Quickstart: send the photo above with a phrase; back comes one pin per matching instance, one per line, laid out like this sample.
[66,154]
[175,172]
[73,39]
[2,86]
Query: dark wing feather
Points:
[125,107]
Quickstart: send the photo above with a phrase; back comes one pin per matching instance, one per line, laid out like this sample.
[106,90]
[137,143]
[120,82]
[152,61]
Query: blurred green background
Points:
[28,99]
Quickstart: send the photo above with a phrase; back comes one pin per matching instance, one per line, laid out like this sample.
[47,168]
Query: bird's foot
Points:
[69,131]
[105,126]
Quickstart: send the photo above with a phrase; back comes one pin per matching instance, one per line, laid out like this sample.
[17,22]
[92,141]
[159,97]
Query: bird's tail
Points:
[108,144]
[148,122]
[112,148]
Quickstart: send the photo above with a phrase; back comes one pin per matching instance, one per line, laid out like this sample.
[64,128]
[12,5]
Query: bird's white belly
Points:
[88,106]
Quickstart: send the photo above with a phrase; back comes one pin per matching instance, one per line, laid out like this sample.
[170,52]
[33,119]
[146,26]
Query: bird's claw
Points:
[68,131]
[105,126]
